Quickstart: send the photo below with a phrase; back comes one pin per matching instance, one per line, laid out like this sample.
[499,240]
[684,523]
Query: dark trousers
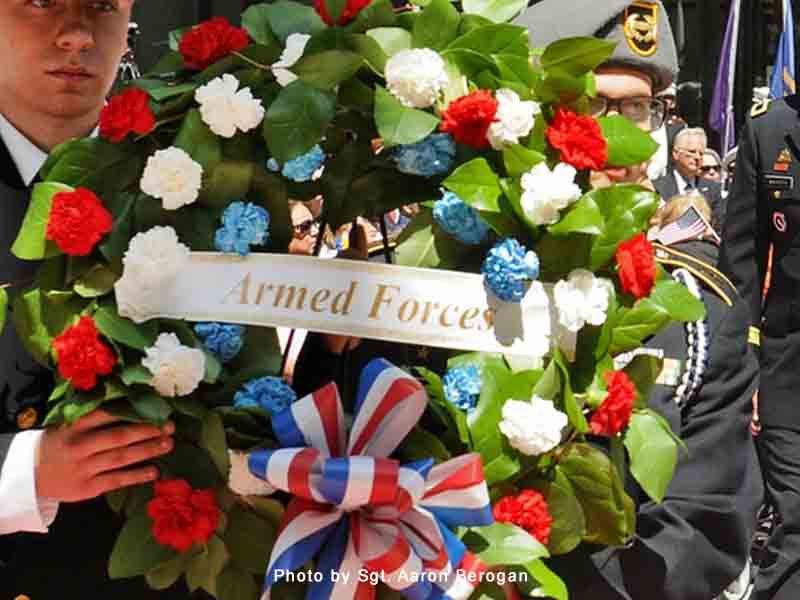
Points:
[779,575]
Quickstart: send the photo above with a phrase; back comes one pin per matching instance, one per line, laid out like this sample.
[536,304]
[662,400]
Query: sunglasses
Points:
[303,228]
[709,168]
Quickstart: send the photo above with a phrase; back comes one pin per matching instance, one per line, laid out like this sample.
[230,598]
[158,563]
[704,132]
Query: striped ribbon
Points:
[356,511]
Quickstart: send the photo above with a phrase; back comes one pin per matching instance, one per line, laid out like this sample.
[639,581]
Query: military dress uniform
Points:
[695,543]
[760,249]
[70,561]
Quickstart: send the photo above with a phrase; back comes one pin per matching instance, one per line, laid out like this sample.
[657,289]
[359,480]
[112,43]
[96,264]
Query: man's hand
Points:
[89,458]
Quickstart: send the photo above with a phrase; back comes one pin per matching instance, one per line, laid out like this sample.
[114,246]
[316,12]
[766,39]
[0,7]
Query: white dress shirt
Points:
[20,508]
[682,183]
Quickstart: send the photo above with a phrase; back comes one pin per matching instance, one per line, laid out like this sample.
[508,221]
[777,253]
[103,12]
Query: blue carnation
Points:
[462,387]
[506,269]
[270,393]
[243,225]
[460,220]
[431,156]
[304,166]
[221,339]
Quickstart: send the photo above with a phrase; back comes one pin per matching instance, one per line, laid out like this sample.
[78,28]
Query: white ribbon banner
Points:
[429,307]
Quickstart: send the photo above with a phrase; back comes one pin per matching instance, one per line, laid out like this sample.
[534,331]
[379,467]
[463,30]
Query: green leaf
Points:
[190,462]
[497,11]
[3,308]
[628,145]
[167,573]
[436,26]
[391,39]
[627,210]
[174,37]
[609,511]
[207,565]
[369,50]
[198,141]
[121,330]
[269,190]
[249,538]
[235,584]
[256,21]
[116,243]
[28,317]
[643,370]
[653,454]
[136,374]
[583,217]
[542,582]
[379,13]
[576,56]
[136,551]
[519,159]
[424,244]
[116,499]
[213,440]
[421,444]
[677,301]
[287,17]
[569,522]
[297,119]
[398,124]
[505,544]
[152,408]
[494,39]
[160,91]
[225,182]
[476,184]
[325,70]
[97,282]
[31,242]
[449,413]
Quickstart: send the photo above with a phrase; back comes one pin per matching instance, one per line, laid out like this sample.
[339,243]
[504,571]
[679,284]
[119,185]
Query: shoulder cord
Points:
[697,342]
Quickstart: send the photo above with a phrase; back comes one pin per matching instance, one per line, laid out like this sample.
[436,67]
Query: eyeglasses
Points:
[692,153]
[646,112]
[709,168]
[306,227]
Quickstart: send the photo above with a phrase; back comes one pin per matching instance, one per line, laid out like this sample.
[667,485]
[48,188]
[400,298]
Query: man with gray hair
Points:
[686,174]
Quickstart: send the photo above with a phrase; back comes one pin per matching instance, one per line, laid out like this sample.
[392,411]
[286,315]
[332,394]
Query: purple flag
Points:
[721,117]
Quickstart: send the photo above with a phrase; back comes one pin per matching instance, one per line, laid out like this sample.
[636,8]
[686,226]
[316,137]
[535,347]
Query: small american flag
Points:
[688,226]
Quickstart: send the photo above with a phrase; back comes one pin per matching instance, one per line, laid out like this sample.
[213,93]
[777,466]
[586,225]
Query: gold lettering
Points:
[260,294]
[406,304]
[467,316]
[318,298]
[290,294]
[381,298]
[242,289]
[443,316]
[488,320]
[346,298]
[427,313]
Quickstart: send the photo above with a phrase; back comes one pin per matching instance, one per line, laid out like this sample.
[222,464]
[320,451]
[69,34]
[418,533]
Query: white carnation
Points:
[416,77]
[241,481]
[546,192]
[173,177]
[532,427]
[295,46]
[177,369]
[582,299]
[154,256]
[514,119]
[134,300]
[227,109]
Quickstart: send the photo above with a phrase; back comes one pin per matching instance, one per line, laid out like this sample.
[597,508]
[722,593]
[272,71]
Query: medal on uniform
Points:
[783,162]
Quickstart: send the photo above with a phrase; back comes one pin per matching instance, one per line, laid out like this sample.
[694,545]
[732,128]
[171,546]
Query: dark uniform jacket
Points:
[69,561]
[764,212]
[696,542]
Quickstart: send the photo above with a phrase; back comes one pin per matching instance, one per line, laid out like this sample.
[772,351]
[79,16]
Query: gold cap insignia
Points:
[27,418]
[641,27]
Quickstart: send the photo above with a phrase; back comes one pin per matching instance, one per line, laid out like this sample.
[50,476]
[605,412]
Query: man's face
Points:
[688,155]
[617,83]
[59,58]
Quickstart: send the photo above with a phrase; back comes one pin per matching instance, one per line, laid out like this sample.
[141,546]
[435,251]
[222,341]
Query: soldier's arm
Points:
[745,239]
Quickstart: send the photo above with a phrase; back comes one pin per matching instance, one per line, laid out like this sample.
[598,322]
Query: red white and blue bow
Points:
[357,511]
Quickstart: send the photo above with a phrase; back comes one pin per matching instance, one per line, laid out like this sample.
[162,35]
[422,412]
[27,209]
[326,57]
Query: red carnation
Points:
[637,266]
[128,112]
[182,516]
[468,118]
[205,44]
[78,220]
[579,139]
[349,13]
[527,510]
[82,356]
[615,411]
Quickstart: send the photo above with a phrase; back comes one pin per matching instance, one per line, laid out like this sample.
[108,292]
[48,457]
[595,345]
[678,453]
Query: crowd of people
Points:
[732,211]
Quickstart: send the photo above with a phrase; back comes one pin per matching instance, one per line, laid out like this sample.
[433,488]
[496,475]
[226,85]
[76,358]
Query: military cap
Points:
[641,29]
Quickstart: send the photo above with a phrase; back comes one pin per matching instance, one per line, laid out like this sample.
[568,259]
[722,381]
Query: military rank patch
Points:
[783,162]
[641,27]
[779,221]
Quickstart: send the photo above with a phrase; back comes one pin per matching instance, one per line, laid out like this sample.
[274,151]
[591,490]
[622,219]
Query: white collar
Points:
[27,157]
[682,183]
